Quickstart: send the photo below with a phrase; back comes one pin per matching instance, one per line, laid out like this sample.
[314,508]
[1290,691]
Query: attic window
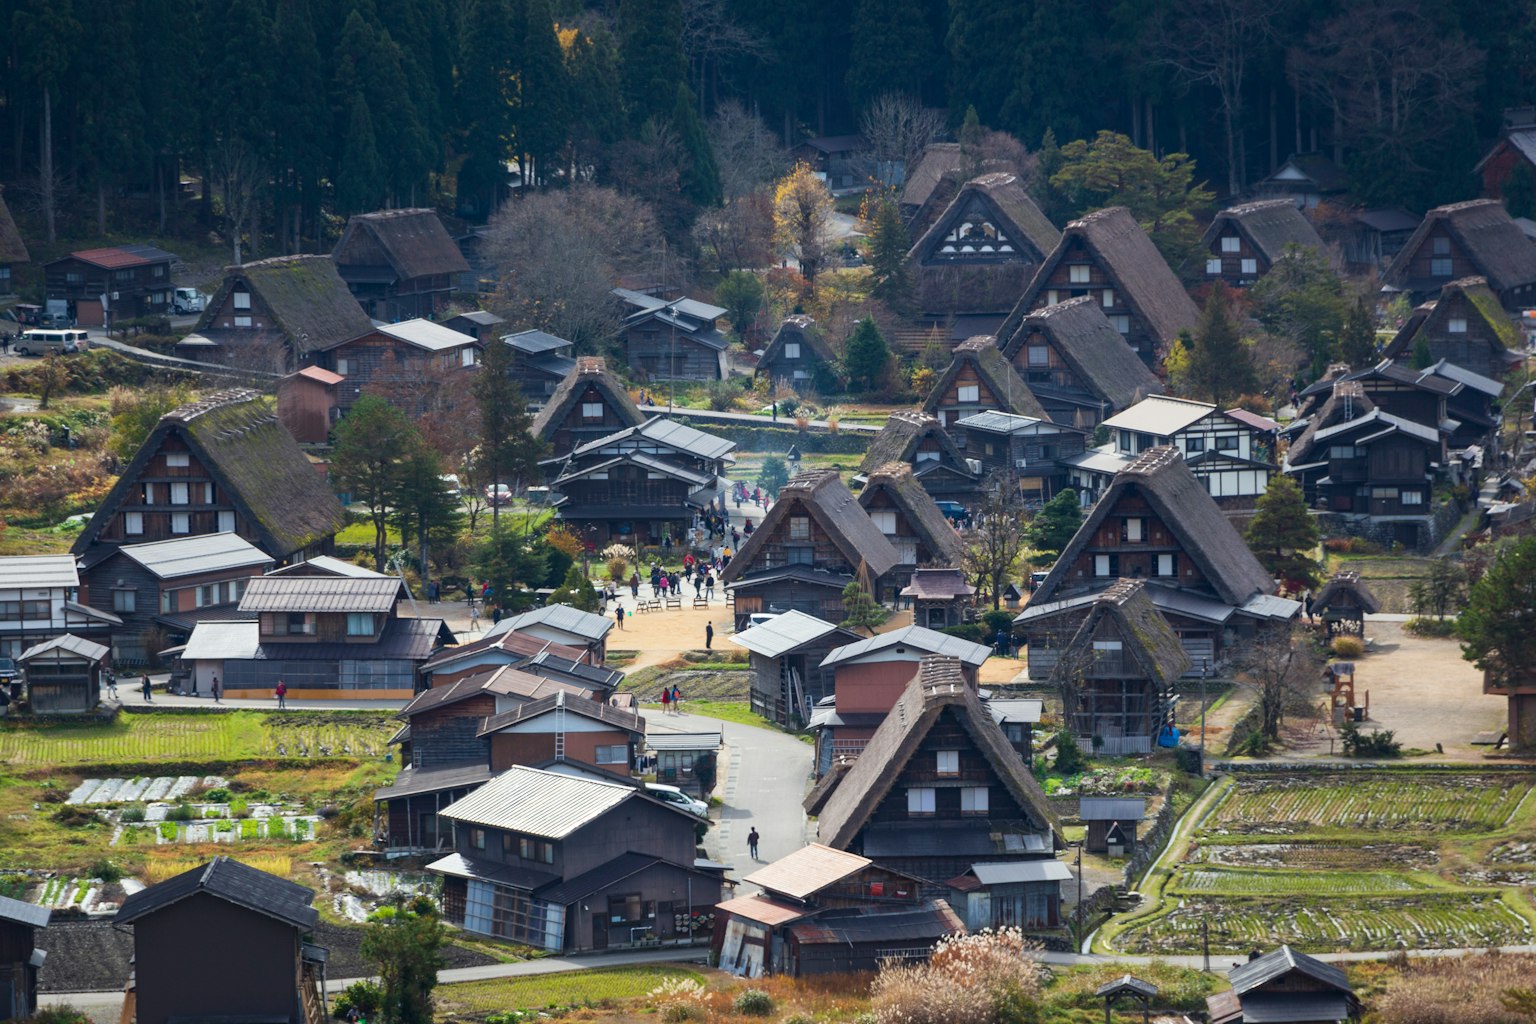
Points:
[1440,266]
[133,522]
[1109,298]
[791,350]
[1441,247]
[1213,266]
[968,393]
[591,410]
[177,459]
[920,801]
[948,762]
[1231,243]
[1078,273]
[242,300]
[799,528]
[1457,325]
[1039,355]
[1250,266]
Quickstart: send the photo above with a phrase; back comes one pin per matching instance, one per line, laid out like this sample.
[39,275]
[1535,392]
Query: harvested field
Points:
[1430,802]
[1320,856]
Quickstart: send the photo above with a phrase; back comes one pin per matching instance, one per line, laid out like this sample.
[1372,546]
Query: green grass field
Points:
[1410,803]
[1206,881]
[542,991]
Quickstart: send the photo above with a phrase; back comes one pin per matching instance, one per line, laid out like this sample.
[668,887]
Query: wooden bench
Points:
[675,602]
[701,602]
[647,604]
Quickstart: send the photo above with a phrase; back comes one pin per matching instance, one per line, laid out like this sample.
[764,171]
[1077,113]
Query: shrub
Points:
[1069,756]
[1347,647]
[132,814]
[181,812]
[799,1018]
[1427,627]
[363,996]
[74,817]
[64,1013]
[1377,743]
[217,796]
[106,871]
[722,394]
[753,1002]
[986,978]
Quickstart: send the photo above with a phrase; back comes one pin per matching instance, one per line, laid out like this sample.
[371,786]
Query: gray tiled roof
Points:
[234,882]
[319,594]
[189,556]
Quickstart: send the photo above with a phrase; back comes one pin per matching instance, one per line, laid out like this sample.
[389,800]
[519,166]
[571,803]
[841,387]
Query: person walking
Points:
[752,841]
[433,590]
[282,695]
[112,684]
[618,615]
[218,691]
[677,701]
[709,635]
[666,701]
[144,688]
[709,586]
[634,585]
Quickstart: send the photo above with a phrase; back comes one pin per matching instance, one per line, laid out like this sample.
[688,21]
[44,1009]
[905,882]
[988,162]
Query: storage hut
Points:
[64,675]
[19,957]
[1343,604]
[1111,822]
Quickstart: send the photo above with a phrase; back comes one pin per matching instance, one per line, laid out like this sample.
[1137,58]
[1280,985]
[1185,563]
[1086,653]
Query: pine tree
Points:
[360,179]
[368,448]
[543,92]
[482,102]
[1357,340]
[1220,365]
[1053,526]
[891,49]
[866,355]
[1495,626]
[1283,534]
[1423,356]
[576,591]
[860,610]
[508,452]
[888,247]
[651,63]
[700,177]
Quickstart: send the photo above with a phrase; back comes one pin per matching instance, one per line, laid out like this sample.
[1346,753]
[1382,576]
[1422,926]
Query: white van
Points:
[44,341]
[187,300]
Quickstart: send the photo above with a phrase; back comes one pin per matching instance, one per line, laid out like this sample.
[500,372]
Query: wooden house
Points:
[309,403]
[328,565]
[1034,455]
[786,653]
[814,541]
[868,678]
[399,264]
[1465,326]
[39,600]
[856,913]
[1009,894]
[939,789]
[20,959]
[510,648]
[567,863]
[63,675]
[920,441]
[107,286]
[589,403]
[1512,154]
[1367,239]
[181,974]
[1117,662]
[1343,603]
[563,625]
[677,756]
[1306,179]
[1076,364]
[327,638]
[672,340]
[1285,987]
[1369,466]
[930,184]
[640,484]
[162,589]
[1477,238]
[479,324]
[1107,256]
[910,520]
[1158,524]
[979,379]
[1111,823]
[980,253]
[393,359]
[1245,241]
[1441,393]
[540,362]
[273,314]
[842,161]
[798,355]
[13,252]
[564,727]
[222,464]
[940,598]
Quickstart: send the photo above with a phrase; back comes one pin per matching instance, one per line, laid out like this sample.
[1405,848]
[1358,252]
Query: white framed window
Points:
[243,321]
[1108,297]
[236,588]
[1384,493]
[180,493]
[1052,296]
[133,522]
[927,457]
[1250,266]
[178,460]
[791,350]
[242,300]
[467,357]
[920,800]
[973,800]
[208,493]
[1039,355]
[226,521]
[1231,243]
[614,753]
[947,762]
[1412,497]
[149,494]
[799,528]
[181,522]
[591,410]
[885,519]
[969,393]
[1441,246]
[1164,566]
[1440,266]
[1136,530]
[167,601]
[343,367]
[125,600]
[1457,325]
[1079,273]
[1121,324]
[1103,565]
[359,624]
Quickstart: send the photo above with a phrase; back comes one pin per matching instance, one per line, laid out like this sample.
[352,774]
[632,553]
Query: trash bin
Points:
[1359,714]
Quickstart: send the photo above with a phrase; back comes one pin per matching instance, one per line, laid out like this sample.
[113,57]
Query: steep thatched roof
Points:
[590,372]
[937,689]
[1083,336]
[1346,589]
[1144,633]
[1161,477]
[12,248]
[1136,270]
[820,494]
[1484,230]
[1017,218]
[797,328]
[305,296]
[983,274]
[1269,225]
[982,355]
[254,461]
[898,440]
[1348,401]
[939,160]
[1485,304]
[412,242]
[936,533]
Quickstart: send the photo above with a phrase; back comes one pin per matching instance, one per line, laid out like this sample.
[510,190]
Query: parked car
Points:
[758,618]
[675,796]
[44,342]
[498,494]
[450,483]
[9,673]
[953,511]
[187,300]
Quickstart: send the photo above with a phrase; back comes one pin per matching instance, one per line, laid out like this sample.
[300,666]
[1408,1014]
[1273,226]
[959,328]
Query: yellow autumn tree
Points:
[802,219]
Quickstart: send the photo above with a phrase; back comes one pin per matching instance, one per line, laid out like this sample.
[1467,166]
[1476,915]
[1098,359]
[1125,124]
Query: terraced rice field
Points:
[1444,802]
[1332,883]
[1316,856]
[232,736]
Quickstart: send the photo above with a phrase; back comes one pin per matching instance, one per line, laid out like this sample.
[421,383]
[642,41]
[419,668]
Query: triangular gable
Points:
[898,441]
[916,506]
[977,228]
[981,354]
[1082,336]
[800,329]
[821,495]
[1143,631]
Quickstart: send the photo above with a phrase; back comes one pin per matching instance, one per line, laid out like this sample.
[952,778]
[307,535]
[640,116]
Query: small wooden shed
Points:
[64,675]
[1343,604]
[19,957]
[1111,821]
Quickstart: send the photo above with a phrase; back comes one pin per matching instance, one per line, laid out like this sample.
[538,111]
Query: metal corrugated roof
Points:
[538,803]
[557,616]
[23,913]
[1160,415]
[808,870]
[1020,709]
[762,910]
[1269,606]
[27,571]
[331,566]
[534,341]
[1279,962]
[685,438]
[413,781]
[1111,808]
[682,740]
[998,422]
[68,642]
[1099,460]
[920,638]
[783,633]
[932,921]
[625,865]
[425,334]
[215,641]
[457,865]
[1289,1007]
[190,556]
[1021,871]
[319,594]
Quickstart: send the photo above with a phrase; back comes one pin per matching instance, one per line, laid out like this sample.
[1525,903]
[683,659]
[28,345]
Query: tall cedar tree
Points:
[860,610]
[543,91]
[700,175]
[652,65]
[514,565]
[866,355]
[888,247]
[1282,534]
[981,42]
[1357,341]
[1053,526]
[1498,626]
[302,145]
[484,104]
[369,447]
[423,507]
[892,49]
[509,453]
[1220,365]
[360,179]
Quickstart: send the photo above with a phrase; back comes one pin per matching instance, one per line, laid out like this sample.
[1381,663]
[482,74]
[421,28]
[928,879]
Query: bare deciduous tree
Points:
[748,154]
[995,550]
[899,128]
[1284,669]
[240,173]
[737,235]
[713,35]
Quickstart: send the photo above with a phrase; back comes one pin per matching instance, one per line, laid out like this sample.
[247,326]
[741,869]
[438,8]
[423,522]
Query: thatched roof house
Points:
[1244,241]
[893,496]
[979,378]
[1465,326]
[1148,642]
[1076,364]
[298,301]
[588,404]
[12,248]
[399,263]
[919,440]
[796,352]
[1477,237]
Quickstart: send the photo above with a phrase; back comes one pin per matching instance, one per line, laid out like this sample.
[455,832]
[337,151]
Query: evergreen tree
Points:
[860,610]
[891,52]
[576,591]
[368,448]
[1282,534]
[651,63]
[888,248]
[1302,298]
[302,138]
[239,77]
[700,177]
[742,295]
[483,103]
[1357,341]
[1053,526]
[1519,191]
[508,452]
[592,71]
[1423,356]
[866,355]
[543,92]
[982,42]
[360,179]
[774,475]
[406,949]
[1220,365]
[1495,626]
[423,507]
[1055,203]
[513,566]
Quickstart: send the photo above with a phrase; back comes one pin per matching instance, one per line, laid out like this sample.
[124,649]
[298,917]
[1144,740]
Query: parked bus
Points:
[47,342]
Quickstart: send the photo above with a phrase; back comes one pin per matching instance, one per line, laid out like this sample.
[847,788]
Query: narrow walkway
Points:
[747,419]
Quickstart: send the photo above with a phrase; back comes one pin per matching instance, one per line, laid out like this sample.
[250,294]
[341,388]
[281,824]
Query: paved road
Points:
[748,419]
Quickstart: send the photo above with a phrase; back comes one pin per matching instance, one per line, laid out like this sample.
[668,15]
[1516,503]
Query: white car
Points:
[676,797]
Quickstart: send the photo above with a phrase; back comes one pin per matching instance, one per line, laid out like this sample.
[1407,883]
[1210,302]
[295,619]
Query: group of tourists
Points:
[671,701]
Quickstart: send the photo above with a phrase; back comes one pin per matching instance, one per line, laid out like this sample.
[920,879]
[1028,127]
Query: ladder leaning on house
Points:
[560,725]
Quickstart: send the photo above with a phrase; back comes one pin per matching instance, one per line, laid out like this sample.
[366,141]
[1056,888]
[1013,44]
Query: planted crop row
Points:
[325,740]
[1419,922]
[1439,803]
[138,738]
[1286,883]
[1315,856]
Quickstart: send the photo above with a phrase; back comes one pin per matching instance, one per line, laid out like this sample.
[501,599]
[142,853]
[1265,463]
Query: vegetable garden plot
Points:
[1250,883]
[1316,856]
[212,737]
[1442,802]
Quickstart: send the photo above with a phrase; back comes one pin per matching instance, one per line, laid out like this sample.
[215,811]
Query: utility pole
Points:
[1080,935]
[1205,942]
